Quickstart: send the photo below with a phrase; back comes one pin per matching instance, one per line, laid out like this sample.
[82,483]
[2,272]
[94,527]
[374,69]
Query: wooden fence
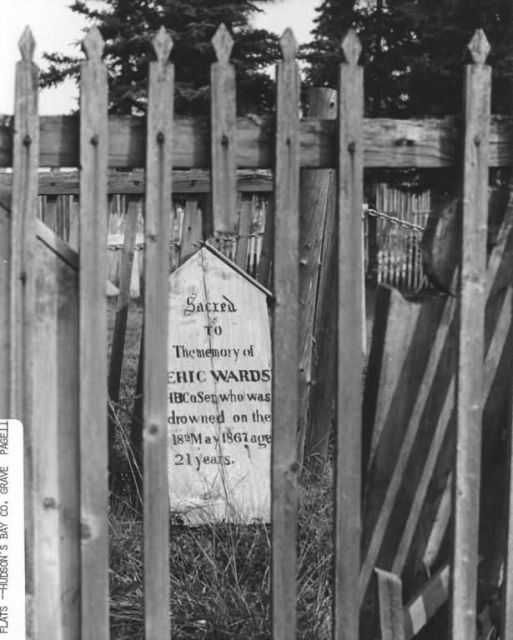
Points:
[60,214]
[57,317]
[393,240]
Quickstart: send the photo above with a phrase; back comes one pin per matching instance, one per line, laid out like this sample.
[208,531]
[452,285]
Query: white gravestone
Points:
[219,393]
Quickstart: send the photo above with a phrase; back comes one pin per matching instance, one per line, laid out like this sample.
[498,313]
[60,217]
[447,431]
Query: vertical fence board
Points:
[223,119]
[264,264]
[285,345]
[322,402]
[405,327]
[56,440]
[157,238]
[314,226]
[93,340]
[125,276]
[469,375]
[192,229]
[389,598]
[349,385]
[22,283]
[74,223]
[120,322]
[247,204]
[50,212]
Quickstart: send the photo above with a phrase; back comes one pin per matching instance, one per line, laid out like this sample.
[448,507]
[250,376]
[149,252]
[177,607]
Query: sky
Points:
[56,28]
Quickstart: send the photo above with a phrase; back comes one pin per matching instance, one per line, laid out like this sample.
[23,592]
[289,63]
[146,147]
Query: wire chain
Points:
[177,244]
[366,210]
[393,219]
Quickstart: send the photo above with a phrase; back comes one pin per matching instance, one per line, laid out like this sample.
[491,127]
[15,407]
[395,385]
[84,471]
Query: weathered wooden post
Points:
[119,332]
[469,374]
[285,344]
[93,340]
[22,283]
[223,120]
[157,235]
[349,348]
[317,268]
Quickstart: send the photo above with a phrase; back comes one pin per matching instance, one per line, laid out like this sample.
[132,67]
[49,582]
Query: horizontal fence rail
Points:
[397,144]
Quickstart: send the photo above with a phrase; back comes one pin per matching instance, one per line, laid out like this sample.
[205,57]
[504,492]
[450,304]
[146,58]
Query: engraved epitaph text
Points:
[219,393]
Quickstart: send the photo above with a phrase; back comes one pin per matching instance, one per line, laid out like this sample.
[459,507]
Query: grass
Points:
[220,573]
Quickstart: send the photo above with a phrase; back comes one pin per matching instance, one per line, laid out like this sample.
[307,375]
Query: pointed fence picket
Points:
[222,123]
[349,357]
[22,282]
[471,311]
[285,344]
[93,340]
[77,483]
[157,236]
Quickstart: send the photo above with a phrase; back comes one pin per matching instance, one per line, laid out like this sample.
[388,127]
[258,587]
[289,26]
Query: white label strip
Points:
[12,537]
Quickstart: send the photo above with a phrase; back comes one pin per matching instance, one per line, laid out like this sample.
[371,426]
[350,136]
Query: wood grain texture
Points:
[157,237]
[56,450]
[25,143]
[416,526]
[132,182]
[388,470]
[119,332]
[264,270]
[93,342]
[428,469]
[285,345]
[315,225]
[192,229]
[391,143]
[50,212]
[349,339]
[390,605]
[423,606]
[439,526]
[469,374]
[120,323]
[57,245]
[413,332]
[222,127]
[323,391]
[247,205]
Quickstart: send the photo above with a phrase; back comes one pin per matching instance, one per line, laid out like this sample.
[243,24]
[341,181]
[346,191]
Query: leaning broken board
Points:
[219,393]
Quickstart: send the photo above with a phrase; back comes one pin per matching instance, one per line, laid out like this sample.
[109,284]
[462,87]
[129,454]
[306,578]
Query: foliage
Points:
[413,51]
[128,26]
[220,574]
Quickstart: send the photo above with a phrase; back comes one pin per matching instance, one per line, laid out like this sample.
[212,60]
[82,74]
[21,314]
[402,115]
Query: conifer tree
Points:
[128,26]
[413,51]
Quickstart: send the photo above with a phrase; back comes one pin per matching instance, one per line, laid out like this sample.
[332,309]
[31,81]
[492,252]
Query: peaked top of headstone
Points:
[207,247]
